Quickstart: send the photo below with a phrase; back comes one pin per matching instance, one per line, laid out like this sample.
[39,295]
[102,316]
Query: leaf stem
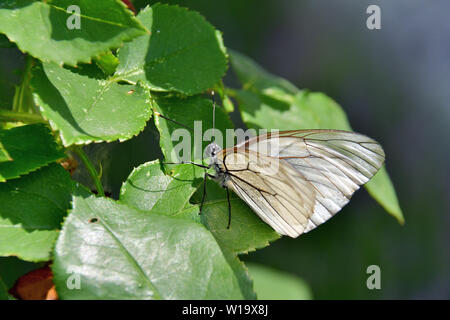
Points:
[7,115]
[91,169]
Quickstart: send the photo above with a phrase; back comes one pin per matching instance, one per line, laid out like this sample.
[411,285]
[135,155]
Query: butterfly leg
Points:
[204,193]
[229,209]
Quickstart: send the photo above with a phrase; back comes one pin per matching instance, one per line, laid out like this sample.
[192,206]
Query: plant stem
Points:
[7,115]
[91,169]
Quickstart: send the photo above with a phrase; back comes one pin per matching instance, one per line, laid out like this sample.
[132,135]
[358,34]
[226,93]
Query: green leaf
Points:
[149,188]
[183,53]
[270,103]
[380,187]
[247,231]
[31,147]
[195,112]
[32,210]
[85,109]
[253,77]
[272,284]
[149,256]
[41,28]
[108,62]
[4,155]
[4,295]
[305,110]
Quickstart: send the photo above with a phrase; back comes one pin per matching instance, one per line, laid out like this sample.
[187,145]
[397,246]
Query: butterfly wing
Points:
[297,180]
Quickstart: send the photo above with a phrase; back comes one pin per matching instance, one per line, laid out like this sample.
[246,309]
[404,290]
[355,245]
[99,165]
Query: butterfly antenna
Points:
[176,122]
[214,115]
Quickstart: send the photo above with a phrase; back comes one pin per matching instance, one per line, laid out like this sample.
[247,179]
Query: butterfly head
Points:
[212,150]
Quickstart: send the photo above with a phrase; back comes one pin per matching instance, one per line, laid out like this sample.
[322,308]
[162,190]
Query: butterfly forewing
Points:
[297,180]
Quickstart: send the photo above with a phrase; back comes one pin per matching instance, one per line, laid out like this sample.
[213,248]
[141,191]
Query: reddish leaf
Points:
[35,285]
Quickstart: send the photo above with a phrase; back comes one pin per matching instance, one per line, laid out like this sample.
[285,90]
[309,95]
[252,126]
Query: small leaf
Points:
[195,112]
[183,53]
[30,147]
[271,284]
[32,209]
[108,62]
[149,256]
[40,28]
[85,109]
[148,188]
[380,187]
[228,104]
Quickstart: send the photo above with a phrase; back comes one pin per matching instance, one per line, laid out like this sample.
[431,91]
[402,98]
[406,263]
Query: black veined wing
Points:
[297,180]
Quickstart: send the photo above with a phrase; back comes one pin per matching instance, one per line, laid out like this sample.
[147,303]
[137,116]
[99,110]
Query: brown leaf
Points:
[35,285]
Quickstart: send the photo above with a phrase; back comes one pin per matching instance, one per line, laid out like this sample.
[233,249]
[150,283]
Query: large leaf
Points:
[85,109]
[40,28]
[183,53]
[32,209]
[149,256]
[148,188]
[196,113]
[272,284]
[270,103]
[30,147]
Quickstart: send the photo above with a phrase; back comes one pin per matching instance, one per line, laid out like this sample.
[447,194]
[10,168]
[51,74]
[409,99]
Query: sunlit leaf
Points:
[149,256]
[40,28]
[183,53]
[87,110]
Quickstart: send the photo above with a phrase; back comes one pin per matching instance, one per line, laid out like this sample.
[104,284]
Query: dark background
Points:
[394,85]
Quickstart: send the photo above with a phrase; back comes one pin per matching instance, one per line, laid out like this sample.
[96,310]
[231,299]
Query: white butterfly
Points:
[317,171]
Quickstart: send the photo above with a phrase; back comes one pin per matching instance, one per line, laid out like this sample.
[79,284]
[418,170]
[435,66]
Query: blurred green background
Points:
[393,84]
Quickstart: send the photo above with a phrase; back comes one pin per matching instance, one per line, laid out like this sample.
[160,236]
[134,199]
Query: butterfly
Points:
[294,180]
[302,181]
